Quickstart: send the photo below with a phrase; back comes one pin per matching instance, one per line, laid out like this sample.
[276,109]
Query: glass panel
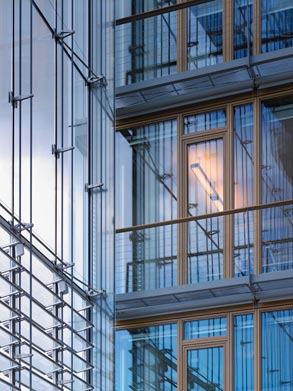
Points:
[5,108]
[277,183]
[205,369]
[205,237]
[126,8]
[277,350]
[204,121]
[205,328]
[243,353]
[243,28]
[146,49]
[146,259]
[276,24]
[146,359]
[146,174]
[205,34]
[243,188]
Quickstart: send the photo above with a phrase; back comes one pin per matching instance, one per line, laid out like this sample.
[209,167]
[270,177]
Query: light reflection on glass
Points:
[205,237]
[205,328]
[243,188]
[205,34]
[276,25]
[277,183]
[244,353]
[205,369]
[277,350]
[146,49]
[146,358]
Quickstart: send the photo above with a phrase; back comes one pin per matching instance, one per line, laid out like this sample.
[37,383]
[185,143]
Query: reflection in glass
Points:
[205,369]
[5,109]
[146,359]
[205,195]
[146,174]
[205,328]
[243,28]
[277,183]
[146,259]
[276,24]
[204,121]
[243,353]
[126,8]
[243,188]
[146,49]
[205,34]
[147,179]
[277,350]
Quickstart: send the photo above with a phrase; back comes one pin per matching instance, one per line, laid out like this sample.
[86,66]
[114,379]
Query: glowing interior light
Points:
[207,185]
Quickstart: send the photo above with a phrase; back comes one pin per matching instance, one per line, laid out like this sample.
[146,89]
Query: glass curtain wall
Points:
[205,34]
[146,175]
[146,359]
[277,350]
[54,280]
[146,48]
[243,188]
[277,183]
[243,28]
[276,25]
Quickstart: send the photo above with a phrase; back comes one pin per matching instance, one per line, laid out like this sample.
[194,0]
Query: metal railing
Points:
[231,243]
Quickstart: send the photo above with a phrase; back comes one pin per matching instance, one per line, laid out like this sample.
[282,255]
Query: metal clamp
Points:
[63,34]
[14,99]
[57,151]
[65,265]
[97,80]
[22,227]
[98,186]
[96,292]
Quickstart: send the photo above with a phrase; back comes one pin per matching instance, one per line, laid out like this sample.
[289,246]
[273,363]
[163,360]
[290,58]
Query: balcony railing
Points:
[232,243]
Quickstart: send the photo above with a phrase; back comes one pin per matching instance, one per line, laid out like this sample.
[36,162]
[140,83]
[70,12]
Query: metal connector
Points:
[57,151]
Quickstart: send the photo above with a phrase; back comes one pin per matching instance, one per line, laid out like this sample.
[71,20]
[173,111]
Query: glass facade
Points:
[191,194]
[56,235]
[204,206]
[205,34]
[146,358]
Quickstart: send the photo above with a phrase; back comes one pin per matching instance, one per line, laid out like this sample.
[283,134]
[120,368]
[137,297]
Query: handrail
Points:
[205,216]
[158,11]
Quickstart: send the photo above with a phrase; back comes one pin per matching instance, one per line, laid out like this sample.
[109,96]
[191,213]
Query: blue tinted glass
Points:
[204,121]
[277,350]
[243,28]
[205,328]
[146,49]
[243,353]
[146,359]
[126,8]
[277,184]
[205,34]
[243,187]
[205,369]
[276,24]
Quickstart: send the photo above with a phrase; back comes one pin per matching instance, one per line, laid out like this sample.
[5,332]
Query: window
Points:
[216,352]
[147,358]
[234,156]
[205,34]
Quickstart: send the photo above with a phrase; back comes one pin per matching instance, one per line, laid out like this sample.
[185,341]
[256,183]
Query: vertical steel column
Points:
[89,150]
[71,188]
[31,202]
